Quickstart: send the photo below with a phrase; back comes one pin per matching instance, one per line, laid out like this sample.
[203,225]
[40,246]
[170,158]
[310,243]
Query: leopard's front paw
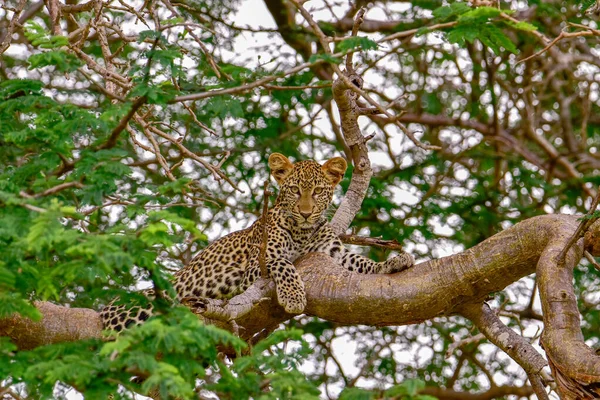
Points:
[293,300]
[399,263]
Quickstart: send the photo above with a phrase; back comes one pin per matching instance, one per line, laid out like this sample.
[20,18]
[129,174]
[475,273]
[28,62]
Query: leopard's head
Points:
[306,187]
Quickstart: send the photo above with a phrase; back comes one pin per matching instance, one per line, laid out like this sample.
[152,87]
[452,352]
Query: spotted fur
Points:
[296,226]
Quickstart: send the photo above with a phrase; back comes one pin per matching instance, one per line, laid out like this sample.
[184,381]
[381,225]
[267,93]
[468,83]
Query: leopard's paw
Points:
[399,263]
[294,300]
[198,305]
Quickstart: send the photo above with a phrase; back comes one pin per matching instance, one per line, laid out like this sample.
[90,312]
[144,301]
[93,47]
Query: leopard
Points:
[296,225]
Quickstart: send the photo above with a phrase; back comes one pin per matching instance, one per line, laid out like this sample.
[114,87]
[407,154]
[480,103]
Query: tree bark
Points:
[451,285]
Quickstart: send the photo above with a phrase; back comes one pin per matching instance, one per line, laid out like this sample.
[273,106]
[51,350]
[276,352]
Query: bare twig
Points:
[249,86]
[76,8]
[197,122]
[7,36]
[508,340]
[358,20]
[58,188]
[563,35]
[370,241]
[217,173]
[591,260]
[265,232]
[348,78]
[112,139]
[586,222]
[412,32]
[463,342]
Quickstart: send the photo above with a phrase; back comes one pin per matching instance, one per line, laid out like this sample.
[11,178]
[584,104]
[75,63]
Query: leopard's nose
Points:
[305,214]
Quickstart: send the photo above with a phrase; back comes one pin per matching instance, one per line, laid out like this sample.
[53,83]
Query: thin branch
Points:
[506,339]
[412,32]
[370,241]
[358,20]
[563,35]
[591,260]
[218,174]
[249,86]
[14,22]
[463,342]
[264,272]
[324,41]
[114,136]
[586,222]
[58,188]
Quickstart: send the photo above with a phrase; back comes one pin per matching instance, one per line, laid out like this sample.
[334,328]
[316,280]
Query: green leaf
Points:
[325,57]
[63,61]
[357,42]
[38,36]
[277,337]
[356,394]
[152,35]
[155,94]
[20,87]
[479,15]
[462,33]
[454,9]
[586,4]
[493,37]
[7,278]
[524,26]
[409,388]
[12,303]
[223,107]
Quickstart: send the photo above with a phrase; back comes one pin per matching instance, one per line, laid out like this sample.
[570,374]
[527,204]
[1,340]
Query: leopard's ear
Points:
[334,169]
[280,167]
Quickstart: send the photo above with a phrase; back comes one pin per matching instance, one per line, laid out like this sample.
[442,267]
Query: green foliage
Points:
[586,4]
[480,23]
[63,61]
[455,9]
[38,36]
[85,216]
[407,390]
[594,215]
[354,42]
[325,57]
[276,366]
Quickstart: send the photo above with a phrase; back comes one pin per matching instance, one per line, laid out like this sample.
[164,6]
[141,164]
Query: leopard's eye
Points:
[318,190]
[295,189]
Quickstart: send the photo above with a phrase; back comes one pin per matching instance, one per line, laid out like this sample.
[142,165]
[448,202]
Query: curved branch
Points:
[357,143]
[445,286]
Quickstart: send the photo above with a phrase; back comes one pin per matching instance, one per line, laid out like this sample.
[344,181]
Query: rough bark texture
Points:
[451,285]
[58,324]
[345,99]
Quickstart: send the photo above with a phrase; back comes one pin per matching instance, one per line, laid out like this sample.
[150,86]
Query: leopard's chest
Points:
[300,240]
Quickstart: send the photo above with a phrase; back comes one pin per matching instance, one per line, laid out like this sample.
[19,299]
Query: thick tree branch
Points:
[450,285]
[490,394]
